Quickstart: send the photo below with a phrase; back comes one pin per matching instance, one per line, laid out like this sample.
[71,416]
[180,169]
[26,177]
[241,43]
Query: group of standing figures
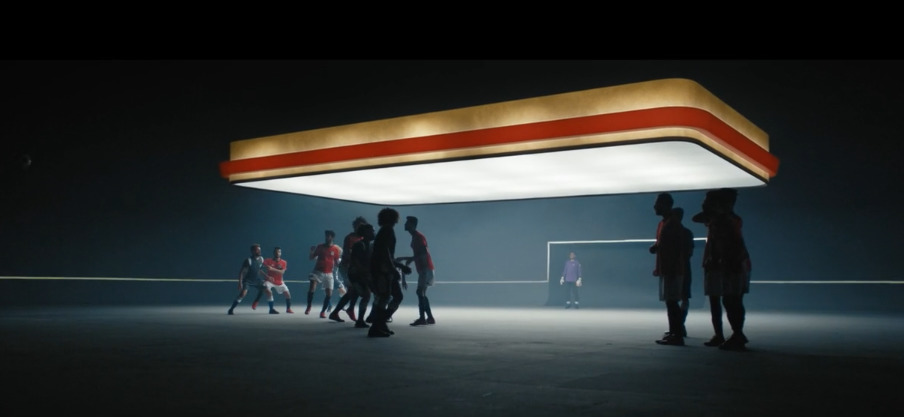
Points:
[367,269]
[726,267]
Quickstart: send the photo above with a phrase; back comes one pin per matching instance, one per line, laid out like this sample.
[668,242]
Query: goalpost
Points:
[614,269]
[560,249]
[551,244]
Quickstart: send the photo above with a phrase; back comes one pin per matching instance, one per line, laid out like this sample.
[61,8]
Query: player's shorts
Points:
[340,280]
[342,276]
[671,288]
[323,278]
[280,289]
[719,284]
[361,288]
[247,285]
[426,278]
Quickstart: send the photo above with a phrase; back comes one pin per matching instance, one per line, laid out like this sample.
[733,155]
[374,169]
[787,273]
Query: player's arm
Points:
[277,269]
[242,272]
[263,271]
[313,253]
[244,269]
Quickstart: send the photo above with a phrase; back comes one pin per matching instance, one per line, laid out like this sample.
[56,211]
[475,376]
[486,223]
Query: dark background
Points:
[123,178]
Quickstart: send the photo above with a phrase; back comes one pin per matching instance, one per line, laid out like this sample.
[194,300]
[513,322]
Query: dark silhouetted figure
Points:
[423,263]
[671,250]
[359,270]
[571,279]
[250,276]
[726,267]
[662,207]
[351,295]
[677,215]
[384,272]
[395,291]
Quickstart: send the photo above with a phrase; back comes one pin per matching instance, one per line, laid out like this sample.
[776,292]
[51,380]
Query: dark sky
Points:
[124,177]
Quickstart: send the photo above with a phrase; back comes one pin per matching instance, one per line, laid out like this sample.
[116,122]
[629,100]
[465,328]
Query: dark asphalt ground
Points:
[476,361]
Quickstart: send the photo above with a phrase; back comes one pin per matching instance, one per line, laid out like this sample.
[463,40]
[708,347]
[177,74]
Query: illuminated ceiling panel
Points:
[663,135]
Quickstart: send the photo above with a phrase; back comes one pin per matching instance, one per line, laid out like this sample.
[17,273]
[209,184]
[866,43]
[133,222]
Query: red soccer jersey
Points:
[422,259]
[327,257]
[275,277]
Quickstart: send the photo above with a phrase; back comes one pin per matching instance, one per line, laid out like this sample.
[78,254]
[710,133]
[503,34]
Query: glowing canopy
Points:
[662,135]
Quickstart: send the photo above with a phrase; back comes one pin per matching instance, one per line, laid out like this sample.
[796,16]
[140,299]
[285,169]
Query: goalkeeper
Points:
[571,279]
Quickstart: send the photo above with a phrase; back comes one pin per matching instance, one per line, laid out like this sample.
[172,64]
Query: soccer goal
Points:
[613,270]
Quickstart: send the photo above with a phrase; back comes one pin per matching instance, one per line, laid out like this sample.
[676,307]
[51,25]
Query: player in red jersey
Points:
[276,268]
[326,256]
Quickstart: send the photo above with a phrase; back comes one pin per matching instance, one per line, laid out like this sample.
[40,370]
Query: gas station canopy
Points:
[656,136]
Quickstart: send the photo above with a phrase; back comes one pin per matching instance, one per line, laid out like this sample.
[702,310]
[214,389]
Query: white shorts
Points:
[324,278]
[282,288]
[342,276]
